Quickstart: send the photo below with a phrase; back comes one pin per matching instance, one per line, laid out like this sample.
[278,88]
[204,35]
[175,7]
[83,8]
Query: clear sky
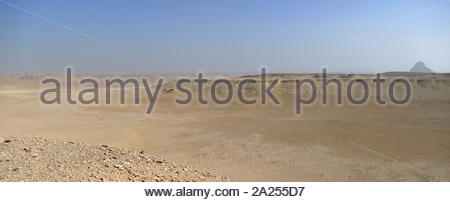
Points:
[223,36]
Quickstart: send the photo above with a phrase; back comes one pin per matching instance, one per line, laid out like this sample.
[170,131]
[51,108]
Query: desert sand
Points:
[248,142]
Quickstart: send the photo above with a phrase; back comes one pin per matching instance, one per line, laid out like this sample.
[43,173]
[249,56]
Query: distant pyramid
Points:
[420,67]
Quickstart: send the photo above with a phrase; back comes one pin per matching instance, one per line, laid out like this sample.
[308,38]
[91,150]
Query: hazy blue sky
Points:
[223,36]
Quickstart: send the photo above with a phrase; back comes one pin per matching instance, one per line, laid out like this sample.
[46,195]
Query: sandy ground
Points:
[257,142]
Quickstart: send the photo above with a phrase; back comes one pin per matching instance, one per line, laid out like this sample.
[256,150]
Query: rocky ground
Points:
[41,159]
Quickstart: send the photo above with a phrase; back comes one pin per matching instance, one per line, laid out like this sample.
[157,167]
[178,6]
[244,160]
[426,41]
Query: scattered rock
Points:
[4,140]
[52,160]
[118,166]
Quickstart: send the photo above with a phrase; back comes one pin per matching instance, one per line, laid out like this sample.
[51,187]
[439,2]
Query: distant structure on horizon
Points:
[420,67]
